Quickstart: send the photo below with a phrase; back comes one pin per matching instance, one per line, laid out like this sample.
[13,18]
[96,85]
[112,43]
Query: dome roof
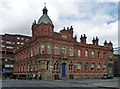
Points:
[45,18]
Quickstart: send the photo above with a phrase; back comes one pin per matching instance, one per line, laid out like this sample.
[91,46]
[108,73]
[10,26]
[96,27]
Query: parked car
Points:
[107,76]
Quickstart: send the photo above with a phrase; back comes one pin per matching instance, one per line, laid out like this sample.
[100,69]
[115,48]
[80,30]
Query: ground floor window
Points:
[71,66]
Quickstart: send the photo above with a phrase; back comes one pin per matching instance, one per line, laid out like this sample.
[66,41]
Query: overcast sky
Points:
[90,17]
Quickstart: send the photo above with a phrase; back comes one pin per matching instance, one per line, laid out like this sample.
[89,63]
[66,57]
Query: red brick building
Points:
[52,55]
[9,42]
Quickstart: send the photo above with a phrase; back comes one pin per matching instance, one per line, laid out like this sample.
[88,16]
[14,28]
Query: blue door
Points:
[63,69]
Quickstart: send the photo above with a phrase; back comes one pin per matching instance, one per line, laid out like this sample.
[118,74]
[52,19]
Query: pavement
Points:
[87,83]
[113,85]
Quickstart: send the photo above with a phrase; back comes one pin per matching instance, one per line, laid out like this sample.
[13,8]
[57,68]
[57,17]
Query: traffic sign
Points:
[26,69]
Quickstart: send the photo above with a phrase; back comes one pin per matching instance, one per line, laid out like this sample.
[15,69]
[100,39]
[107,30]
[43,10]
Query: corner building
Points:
[52,55]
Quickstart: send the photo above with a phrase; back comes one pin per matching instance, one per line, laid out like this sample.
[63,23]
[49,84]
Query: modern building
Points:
[9,42]
[52,55]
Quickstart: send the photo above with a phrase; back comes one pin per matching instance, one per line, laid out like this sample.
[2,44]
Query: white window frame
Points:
[71,51]
[79,53]
[42,49]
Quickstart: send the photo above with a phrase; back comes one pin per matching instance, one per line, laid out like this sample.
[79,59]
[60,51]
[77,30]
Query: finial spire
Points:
[45,9]
[45,4]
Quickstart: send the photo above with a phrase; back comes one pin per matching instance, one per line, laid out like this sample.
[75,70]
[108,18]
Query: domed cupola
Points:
[45,18]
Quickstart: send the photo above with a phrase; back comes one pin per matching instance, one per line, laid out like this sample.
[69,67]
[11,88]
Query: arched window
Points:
[56,66]
[42,49]
[93,53]
[98,55]
[86,53]
[56,50]
[86,67]
[99,67]
[48,49]
[79,53]
[47,65]
[63,51]
[104,55]
[42,30]
[92,67]
[71,66]
[31,52]
[28,66]
[79,67]
[71,52]
[104,67]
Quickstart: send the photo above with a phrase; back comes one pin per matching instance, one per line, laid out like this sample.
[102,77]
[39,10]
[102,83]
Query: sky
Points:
[90,17]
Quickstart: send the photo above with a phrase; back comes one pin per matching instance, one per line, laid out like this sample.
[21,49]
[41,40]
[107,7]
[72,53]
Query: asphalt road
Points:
[54,84]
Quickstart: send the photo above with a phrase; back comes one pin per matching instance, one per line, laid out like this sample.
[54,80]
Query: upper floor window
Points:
[22,43]
[98,55]
[71,52]
[42,30]
[18,38]
[42,49]
[31,52]
[79,53]
[9,47]
[27,39]
[63,51]
[22,38]
[104,55]
[104,67]
[79,67]
[2,40]
[110,56]
[86,53]
[2,46]
[98,67]
[8,42]
[56,50]
[92,54]
[48,48]
[18,42]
